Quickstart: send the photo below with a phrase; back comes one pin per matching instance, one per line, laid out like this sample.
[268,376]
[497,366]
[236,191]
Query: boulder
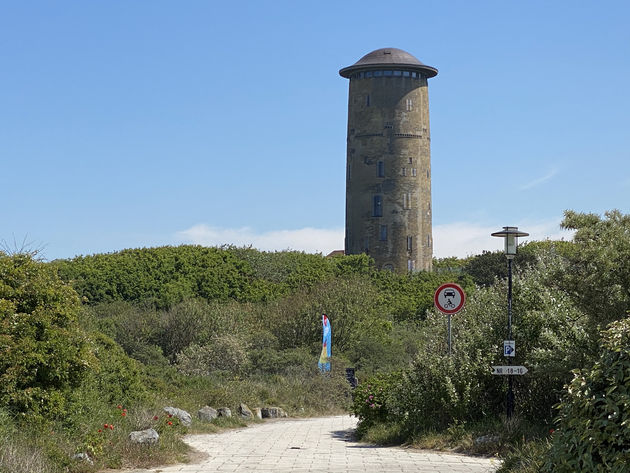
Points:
[224,412]
[82,457]
[183,416]
[144,437]
[244,411]
[207,414]
[257,411]
[273,412]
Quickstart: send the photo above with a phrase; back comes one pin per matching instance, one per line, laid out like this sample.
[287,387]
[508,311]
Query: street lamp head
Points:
[511,235]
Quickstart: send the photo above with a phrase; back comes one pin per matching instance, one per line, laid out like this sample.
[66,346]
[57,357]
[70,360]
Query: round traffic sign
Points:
[449,298]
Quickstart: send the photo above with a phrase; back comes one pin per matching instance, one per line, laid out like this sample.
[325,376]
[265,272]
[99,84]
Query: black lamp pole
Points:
[510,394]
[511,235]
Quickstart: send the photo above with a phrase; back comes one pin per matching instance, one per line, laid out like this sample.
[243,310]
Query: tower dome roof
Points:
[388,57]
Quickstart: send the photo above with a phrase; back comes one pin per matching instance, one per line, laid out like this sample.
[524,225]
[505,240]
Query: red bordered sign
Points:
[449,298]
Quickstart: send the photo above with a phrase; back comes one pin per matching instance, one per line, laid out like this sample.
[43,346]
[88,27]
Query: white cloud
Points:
[309,240]
[459,239]
[540,180]
[464,239]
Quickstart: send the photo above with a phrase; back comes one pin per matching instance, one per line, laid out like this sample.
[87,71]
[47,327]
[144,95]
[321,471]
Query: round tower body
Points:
[388,176]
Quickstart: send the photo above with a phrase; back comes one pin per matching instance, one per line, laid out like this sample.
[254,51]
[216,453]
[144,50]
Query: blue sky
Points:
[136,124]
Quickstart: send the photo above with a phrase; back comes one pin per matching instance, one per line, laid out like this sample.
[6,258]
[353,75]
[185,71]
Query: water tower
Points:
[388,175]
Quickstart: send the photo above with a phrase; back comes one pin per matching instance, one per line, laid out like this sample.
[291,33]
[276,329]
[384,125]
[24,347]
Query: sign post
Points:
[449,299]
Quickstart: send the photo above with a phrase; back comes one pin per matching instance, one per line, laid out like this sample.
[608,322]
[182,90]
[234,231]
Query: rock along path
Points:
[314,445]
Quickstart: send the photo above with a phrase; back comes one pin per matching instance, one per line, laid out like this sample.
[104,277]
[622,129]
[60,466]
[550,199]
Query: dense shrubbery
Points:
[43,354]
[593,431]
[219,326]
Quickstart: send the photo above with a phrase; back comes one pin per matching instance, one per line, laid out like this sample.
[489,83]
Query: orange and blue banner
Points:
[324,358]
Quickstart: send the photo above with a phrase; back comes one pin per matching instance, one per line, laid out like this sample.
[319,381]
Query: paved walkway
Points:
[314,445]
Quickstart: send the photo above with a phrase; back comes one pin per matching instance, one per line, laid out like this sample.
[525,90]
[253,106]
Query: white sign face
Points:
[449,298]
[509,348]
[509,370]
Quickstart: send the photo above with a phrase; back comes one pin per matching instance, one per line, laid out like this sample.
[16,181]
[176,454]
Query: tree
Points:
[599,271]
[43,353]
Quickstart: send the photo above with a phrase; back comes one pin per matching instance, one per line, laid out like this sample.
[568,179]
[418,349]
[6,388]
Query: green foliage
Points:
[489,266]
[407,297]
[160,276]
[593,433]
[352,305]
[43,353]
[224,353]
[599,271]
[370,400]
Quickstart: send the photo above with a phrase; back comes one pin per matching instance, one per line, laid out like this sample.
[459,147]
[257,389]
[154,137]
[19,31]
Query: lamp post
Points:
[510,234]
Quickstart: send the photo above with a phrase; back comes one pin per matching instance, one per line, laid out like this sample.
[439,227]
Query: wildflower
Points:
[119,406]
[170,423]
[170,415]
[372,406]
[551,431]
[100,430]
[155,417]
[111,426]
[106,426]
[123,414]
[371,397]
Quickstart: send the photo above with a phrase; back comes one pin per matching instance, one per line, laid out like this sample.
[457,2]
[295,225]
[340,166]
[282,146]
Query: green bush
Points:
[225,353]
[371,400]
[593,433]
[43,353]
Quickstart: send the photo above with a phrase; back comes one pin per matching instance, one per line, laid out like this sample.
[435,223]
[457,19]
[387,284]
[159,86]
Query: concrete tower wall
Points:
[388,178]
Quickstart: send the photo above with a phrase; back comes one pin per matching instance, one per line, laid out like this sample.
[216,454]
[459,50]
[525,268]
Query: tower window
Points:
[368,74]
[411,264]
[428,240]
[409,105]
[380,169]
[367,100]
[403,171]
[414,172]
[406,73]
[377,206]
[427,174]
[407,200]
[383,233]
[409,243]
[410,160]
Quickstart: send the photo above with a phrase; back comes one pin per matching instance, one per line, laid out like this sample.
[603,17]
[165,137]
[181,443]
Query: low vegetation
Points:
[94,347]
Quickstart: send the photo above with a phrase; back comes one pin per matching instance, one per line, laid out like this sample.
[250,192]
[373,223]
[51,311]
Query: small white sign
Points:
[509,370]
[509,348]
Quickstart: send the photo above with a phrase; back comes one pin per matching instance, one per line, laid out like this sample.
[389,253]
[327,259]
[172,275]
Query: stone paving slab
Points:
[318,445]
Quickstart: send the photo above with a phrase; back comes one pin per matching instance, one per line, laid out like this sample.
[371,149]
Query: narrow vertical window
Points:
[410,264]
[428,240]
[367,100]
[380,169]
[403,171]
[366,245]
[377,206]
[409,105]
[349,171]
[409,243]
[407,200]
[383,233]
[414,172]
[410,160]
